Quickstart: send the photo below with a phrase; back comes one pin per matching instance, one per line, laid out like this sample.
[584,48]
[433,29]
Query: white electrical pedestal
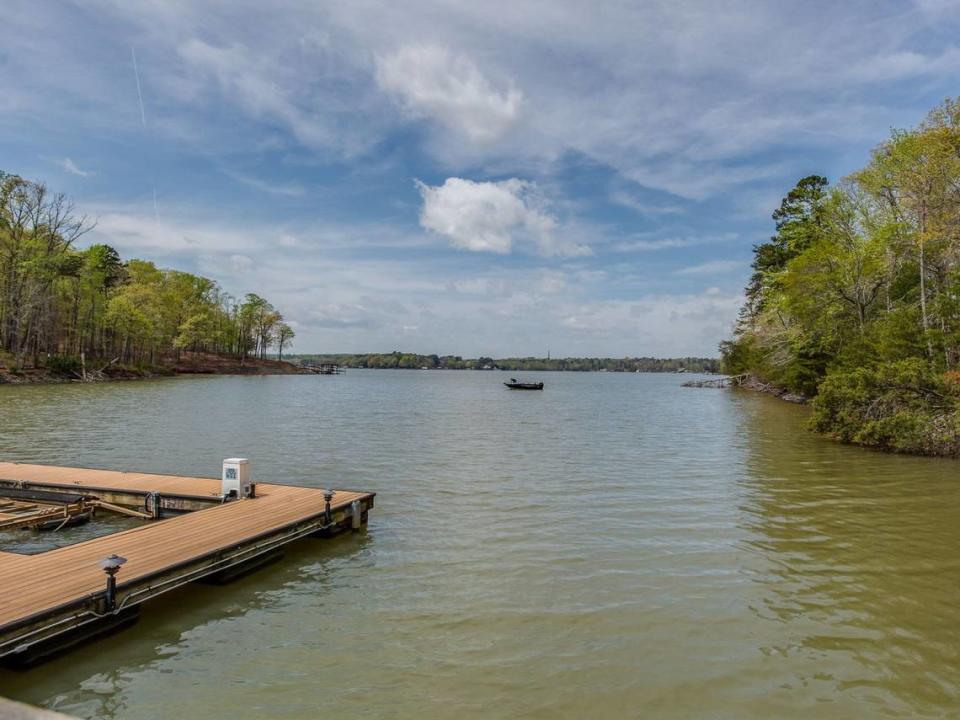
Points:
[235,481]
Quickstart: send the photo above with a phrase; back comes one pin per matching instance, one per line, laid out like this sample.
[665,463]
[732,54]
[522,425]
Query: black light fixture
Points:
[111,566]
[327,498]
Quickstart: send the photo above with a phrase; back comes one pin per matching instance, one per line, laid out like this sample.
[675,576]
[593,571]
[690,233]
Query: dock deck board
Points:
[33,584]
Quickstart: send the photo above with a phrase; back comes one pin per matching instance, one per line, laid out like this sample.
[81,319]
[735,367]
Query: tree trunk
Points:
[923,301]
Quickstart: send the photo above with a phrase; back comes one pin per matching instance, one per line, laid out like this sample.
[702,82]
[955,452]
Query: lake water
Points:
[614,546]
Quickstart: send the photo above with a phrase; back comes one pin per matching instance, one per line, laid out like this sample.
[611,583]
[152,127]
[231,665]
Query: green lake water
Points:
[614,546]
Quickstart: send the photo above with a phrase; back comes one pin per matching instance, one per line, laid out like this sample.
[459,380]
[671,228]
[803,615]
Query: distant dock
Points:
[54,600]
[325,369]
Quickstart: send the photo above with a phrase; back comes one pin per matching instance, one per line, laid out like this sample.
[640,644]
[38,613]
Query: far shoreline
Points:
[188,364]
[196,363]
[40,376]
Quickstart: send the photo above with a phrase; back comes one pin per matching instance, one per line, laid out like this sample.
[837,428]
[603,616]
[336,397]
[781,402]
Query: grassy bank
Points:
[59,369]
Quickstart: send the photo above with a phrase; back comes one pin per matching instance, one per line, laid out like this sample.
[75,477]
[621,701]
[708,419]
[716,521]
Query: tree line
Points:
[855,299]
[400,360]
[59,301]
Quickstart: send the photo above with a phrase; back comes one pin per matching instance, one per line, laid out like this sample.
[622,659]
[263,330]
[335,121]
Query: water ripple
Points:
[616,545]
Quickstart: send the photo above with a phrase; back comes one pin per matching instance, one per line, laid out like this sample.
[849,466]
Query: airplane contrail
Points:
[136,76]
[143,121]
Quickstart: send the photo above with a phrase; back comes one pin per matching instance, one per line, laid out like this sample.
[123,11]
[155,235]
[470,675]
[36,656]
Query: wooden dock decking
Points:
[45,595]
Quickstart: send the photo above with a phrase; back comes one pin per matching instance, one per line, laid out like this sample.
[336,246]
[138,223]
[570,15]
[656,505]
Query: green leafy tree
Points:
[285,336]
[59,302]
[856,298]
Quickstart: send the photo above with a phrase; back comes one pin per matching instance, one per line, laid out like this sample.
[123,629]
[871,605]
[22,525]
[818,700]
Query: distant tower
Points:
[548,353]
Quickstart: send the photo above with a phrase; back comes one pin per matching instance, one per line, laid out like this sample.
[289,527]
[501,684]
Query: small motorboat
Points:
[514,385]
[65,522]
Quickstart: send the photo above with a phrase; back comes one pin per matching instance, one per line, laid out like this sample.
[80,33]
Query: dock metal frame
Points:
[31,636]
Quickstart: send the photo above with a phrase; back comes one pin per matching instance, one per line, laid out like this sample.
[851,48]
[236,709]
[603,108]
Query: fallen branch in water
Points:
[720,382]
[95,375]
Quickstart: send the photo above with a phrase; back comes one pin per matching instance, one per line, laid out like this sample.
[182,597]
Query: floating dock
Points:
[325,369]
[56,599]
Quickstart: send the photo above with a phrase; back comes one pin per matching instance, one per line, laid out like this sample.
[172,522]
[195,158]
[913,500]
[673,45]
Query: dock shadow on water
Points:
[615,546]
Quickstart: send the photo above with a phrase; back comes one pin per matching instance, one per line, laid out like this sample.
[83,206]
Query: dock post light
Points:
[111,566]
[327,499]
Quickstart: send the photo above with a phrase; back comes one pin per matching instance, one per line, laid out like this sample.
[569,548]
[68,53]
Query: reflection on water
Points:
[614,546]
[863,569]
[30,541]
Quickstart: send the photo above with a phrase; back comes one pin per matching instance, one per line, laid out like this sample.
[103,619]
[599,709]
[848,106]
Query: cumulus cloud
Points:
[430,81]
[491,216]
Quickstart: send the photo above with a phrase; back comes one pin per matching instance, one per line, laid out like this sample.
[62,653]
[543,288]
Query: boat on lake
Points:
[515,385]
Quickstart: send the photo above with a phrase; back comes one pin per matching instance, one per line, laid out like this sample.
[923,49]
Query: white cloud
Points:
[551,282]
[713,267]
[71,167]
[315,95]
[138,233]
[343,316]
[644,245]
[493,287]
[652,245]
[643,208]
[241,264]
[542,283]
[491,216]
[683,96]
[430,81]
[938,10]
[182,231]
[344,297]
[675,325]
[247,79]
[905,64]
[271,188]
[645,88]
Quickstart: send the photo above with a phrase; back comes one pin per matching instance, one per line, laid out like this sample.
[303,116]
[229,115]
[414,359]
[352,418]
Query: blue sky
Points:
[495,178]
